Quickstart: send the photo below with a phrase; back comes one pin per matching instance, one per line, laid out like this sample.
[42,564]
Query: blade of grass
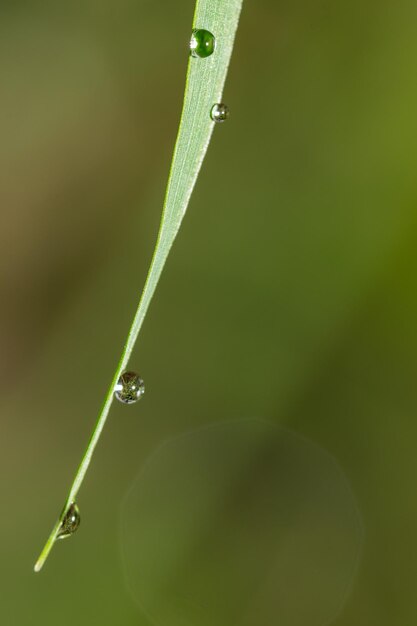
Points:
[204,87]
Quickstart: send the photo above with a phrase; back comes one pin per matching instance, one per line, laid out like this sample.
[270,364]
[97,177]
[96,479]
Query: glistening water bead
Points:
[220,113]
[202,44]
[70,523]
[129,388]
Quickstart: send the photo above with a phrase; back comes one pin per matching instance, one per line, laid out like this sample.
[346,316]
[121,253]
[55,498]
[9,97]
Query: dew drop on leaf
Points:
[70,523]
[220,113]
[202,44]
[129,388]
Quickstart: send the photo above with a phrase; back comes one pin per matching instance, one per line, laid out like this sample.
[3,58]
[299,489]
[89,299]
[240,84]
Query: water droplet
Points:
[220,113]
[202,43]
[70,523]
[130,388]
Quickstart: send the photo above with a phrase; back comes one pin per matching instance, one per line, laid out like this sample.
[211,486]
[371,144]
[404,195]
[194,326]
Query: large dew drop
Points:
[129,388]
[202,44]
[70,523]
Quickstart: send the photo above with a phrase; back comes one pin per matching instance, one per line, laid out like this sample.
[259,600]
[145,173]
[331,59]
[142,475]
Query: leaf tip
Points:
[38,566]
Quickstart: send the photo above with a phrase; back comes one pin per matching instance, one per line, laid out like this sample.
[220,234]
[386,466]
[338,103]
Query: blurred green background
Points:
[290,294]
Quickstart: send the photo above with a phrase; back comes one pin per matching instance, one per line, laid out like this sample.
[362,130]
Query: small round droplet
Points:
[70,523]
[220,113]
[202,44]
[129,388]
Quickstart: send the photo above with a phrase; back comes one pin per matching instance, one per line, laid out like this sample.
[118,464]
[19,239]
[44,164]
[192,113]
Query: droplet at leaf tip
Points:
[67,523]
[70,522]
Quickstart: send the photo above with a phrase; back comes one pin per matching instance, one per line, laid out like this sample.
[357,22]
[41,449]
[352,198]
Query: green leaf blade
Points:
[204,88]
